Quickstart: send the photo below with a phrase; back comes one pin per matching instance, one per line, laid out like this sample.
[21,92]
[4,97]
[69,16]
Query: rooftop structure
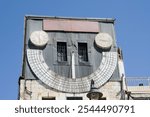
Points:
[64,58]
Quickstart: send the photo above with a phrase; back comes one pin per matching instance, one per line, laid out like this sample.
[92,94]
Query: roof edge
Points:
[36,17]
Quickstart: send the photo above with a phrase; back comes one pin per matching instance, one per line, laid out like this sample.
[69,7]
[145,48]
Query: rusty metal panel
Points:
[70,25]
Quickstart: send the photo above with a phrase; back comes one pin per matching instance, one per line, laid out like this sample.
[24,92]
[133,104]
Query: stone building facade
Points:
[62,56]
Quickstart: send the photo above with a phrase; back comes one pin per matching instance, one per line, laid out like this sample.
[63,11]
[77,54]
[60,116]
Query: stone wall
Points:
[35,90]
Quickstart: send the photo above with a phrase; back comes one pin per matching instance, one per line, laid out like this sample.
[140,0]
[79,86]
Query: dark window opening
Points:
[141,84]
[82,52]
[48,98]
[61,51]
[103,98]
[74,98]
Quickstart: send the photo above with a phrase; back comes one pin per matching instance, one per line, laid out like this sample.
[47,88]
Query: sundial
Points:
[58,82]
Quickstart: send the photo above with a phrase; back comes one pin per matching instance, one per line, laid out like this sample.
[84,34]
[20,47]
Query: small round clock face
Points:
[103,40]
[39,38]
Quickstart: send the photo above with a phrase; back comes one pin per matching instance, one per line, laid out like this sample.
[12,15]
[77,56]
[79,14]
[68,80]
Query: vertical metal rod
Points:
[73,65]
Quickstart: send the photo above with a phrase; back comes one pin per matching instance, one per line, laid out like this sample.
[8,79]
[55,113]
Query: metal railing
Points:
[138,81]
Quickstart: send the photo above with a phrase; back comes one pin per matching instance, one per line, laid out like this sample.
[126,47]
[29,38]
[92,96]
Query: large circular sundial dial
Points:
[77,85]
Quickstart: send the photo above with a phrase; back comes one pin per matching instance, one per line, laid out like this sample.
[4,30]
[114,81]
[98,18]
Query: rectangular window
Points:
[48,98]
[61,51]
[82,52]
[74,98]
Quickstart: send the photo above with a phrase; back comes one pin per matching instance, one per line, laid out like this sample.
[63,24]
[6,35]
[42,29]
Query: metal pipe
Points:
[73,65]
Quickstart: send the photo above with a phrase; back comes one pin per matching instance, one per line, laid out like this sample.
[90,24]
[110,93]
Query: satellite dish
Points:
[39,38]
[103,40]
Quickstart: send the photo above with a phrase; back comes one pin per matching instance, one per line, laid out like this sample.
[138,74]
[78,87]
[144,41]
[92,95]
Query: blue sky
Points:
[132,32]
